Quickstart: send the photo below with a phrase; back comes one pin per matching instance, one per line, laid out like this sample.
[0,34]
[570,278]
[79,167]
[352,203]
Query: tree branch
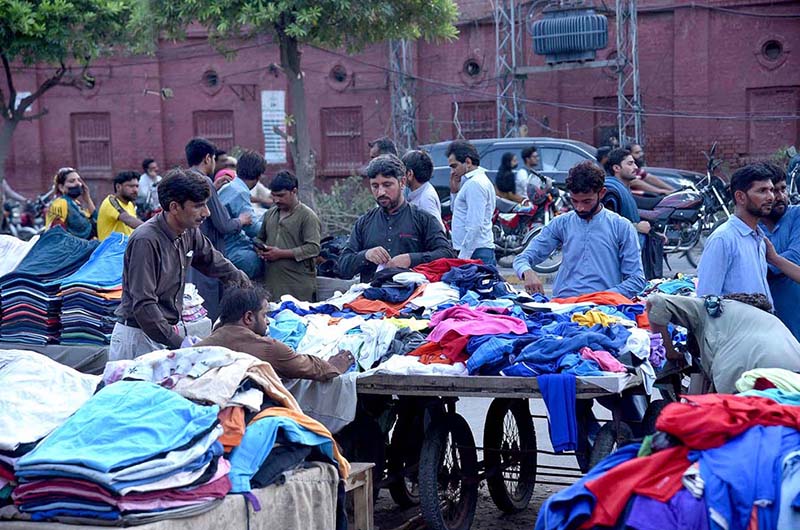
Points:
[49,83]
[289,140]
[34,116]
[12,93]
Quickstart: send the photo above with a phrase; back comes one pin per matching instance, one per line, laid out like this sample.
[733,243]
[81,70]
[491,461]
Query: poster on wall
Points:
[273,114]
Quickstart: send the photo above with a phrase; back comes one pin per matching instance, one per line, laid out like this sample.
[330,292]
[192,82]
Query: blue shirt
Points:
[785,291]
[473,207]
[620,199]
[235,197]
[734,261]
[601,254]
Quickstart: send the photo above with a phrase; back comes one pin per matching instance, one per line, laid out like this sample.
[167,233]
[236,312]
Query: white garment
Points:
[332,403]
[321,339]
[378,336]
[426,199]
[638,344]
[37,395]
[12,251]
[434,295]
[410,365]
[473,207]
[410,278]
[521,178]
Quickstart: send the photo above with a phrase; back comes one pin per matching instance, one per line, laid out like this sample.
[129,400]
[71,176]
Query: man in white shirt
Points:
[419,168]
[472,197]
[523,177]
[147,200]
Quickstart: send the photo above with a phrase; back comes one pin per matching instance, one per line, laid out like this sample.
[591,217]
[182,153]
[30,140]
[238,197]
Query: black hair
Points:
[283,181]
[237,301]
[585,177]
[146,163]
[461,149]
[744,177]
[757,300]
[528,151]
[124,176]
[615,158]
[197,149]
[602,152]
[219,152]
[250,165]
[385,146]
[386,165]
[778,173]
[420,163]
[180,185]
[506,179]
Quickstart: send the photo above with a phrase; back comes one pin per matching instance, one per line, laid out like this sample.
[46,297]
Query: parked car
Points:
[556,157]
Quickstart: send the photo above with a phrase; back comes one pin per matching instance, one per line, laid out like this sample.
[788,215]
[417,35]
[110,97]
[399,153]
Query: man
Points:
[734,257]
[602,155]
[472,197]
[243,327]
[644,181]
[741,337]
[200,155]
[147,199]
[527,180]
[782,227]
[419,168]
[382,146]
[236,199]
[620,172]
[156,260]
[289,242]
[600,248]
[396,233]
[224,168]
[117,213]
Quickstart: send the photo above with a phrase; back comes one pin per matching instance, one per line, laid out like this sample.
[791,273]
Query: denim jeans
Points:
[486,255]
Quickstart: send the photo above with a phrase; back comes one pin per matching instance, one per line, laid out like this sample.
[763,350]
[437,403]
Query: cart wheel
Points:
[509,441]
[651,415]
[403,459]
[448,475]
[609,440]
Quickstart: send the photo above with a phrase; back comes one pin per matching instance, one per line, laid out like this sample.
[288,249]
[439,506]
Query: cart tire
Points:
[609,440]
[403,459]
[509,454]
[651,415]
[448,475]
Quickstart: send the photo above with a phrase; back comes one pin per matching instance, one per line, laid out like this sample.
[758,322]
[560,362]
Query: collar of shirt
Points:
[743,229]
[403,207]
[413,194]
[162,223]
[477,171]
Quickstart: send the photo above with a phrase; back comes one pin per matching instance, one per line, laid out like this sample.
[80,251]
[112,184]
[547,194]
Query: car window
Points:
[568,159]
[549,158]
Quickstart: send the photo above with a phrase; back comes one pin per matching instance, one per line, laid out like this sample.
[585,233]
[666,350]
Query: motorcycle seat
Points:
[652,215]
[648,201]
[504,205]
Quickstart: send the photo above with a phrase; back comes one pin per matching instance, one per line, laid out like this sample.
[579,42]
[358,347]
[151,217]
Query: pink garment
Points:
[606,361]
[471,322]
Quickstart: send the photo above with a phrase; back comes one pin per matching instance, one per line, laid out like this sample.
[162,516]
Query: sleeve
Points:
[437,245]
[143,273]
[684,311]
[630,255]
[57,212]
[289,364]
[237,202]
[144,188]
[792,250]
[539,248]
[611,201]
[713,264]
[220,218]
[107,216]
[353,257]
[210,262]
[311,235]
[521,182]
[476,202]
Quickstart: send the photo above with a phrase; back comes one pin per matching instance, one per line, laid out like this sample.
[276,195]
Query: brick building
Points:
[707,73]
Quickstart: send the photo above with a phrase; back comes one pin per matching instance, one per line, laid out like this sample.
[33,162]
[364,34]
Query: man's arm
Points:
[641,185]
[237,202]
[143,272]
[353,257]
[437,245]
[289,364]
[714,264]
[210,262]
[476,202]
[11,194]
[219,217]
[630,256]
[792,250]
[311,234]
[791,270]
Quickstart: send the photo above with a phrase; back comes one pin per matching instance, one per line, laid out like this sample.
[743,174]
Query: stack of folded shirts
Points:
[134,453]
[193,309]
[92,294]
[31,307]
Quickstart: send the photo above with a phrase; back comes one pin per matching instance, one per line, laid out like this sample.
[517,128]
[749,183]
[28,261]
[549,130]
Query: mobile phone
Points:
[259,245]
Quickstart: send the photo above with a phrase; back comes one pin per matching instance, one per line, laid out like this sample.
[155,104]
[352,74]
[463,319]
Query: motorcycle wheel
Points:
[552,263]
[693,254]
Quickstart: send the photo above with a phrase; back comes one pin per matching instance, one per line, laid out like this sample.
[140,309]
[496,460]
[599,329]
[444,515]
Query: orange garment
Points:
[310,424]
[600,298]
[642,321]
[363,306]
[431,353]
[232,421]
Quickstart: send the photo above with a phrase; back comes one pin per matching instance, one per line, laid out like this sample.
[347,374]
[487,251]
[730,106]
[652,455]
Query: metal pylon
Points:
[510,89]
[629,108]
[404,108]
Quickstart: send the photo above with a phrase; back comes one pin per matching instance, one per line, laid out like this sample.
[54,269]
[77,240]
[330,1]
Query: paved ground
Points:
[487,516]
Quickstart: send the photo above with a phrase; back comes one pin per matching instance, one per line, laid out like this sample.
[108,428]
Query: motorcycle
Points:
[793,186]
[24,221]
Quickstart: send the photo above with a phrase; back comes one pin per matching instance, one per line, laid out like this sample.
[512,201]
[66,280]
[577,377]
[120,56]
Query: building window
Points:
[343,147]
[476,119]
[91,141]
[215,126]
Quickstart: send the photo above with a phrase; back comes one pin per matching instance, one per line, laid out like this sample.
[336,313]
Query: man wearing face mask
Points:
[395,233]
[600,248]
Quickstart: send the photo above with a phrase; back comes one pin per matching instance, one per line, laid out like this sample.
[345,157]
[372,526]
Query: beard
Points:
[778,209]
[389,204]
[758,211]
[590,213]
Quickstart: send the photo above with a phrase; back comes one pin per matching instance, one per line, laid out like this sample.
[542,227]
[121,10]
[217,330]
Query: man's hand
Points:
[245,219]
[402,260]
[342,361]
[643,227]
[532,283]
[455,184]
[378,256]
[772,254]
[224,179]
[274,253]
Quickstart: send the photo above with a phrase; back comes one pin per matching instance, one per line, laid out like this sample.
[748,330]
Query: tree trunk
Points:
[301,150]
[6,133]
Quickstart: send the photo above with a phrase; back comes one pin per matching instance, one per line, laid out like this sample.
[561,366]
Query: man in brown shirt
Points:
[243,328]
[156,261]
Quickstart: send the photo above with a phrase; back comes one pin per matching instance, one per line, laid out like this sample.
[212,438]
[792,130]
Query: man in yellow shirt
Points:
[117,212]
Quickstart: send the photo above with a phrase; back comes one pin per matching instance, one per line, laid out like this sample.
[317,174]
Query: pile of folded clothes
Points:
[92,294]
[12,251]
[193,309]
[31,306]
